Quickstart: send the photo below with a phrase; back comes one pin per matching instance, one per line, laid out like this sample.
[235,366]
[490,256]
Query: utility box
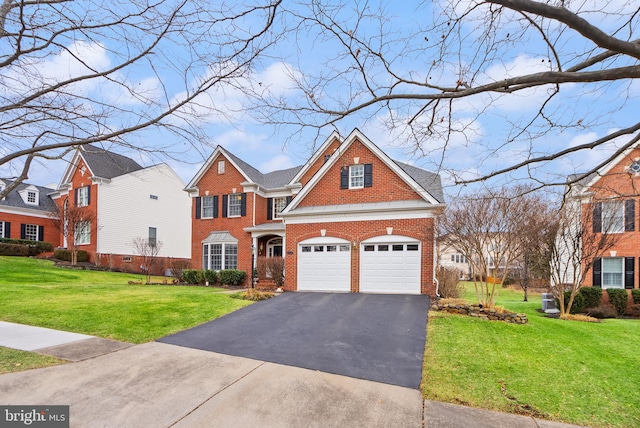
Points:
[548,302]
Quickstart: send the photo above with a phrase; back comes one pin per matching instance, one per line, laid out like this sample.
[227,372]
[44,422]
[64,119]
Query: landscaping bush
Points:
[210,276]
[65,255]
[449,286]
[255,295]
[633,311]
[635,294]
[13,250]
[618,298]
[177,266]
[275,266]
[592,296]
[232,277]
[33,247]
[192,276]
[578,302]
[603,311]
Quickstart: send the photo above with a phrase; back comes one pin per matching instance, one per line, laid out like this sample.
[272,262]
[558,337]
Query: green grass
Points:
[12,360]
[582,373]
[103,304]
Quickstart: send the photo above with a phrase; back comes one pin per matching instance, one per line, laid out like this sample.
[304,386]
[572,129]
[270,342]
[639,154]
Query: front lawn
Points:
[570,371]
[103,304]
[12,360]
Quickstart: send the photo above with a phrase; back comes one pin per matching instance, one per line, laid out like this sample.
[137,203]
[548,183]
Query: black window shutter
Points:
[40,233]
[597,272]
[225,199]
[215,206]
[75,197]
[289,198]
[597,217]
[7,229]
[629,215]
[243,205]
[198,207]
[629,272]
[23,231]
[269,208]
[88,195]
[368,175]
[344,177]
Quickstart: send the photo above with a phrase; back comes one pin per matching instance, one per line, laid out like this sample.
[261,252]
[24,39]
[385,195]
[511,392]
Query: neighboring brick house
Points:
[350,219]
[28,212]
[127,201]
[609,200]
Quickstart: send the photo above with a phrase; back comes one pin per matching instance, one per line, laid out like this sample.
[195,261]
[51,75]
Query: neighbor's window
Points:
[356,176]
[612,272]
[82,196]
[613,216]
[153,235]
[234,205]
[219,256]
[207,207]
[279,204]
[82,233]
[221,167]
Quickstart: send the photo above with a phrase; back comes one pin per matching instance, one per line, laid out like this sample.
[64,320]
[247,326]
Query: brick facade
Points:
[50,225]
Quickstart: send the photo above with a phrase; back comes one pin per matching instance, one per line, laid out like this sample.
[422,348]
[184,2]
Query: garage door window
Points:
[332,248]
[412,247]
[306,248]
[369,247]
[318,248]
[383,247]
[398,247]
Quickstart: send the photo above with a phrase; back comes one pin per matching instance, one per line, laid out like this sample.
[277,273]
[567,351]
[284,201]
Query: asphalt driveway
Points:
[365,336]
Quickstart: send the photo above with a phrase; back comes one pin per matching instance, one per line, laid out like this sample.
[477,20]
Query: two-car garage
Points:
[388,264]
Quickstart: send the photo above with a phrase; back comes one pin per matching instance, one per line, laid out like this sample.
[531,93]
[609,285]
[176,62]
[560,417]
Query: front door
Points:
[274,247]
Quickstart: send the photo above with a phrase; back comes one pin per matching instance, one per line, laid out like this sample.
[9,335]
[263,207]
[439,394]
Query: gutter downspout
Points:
[435,268]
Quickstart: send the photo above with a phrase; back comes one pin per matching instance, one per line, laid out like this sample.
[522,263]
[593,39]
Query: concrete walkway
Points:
[114,384]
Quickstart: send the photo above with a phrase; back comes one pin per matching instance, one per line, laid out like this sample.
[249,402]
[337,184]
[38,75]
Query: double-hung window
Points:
[82,233]
[612,272]
[153,236]
[31,232]
[82,196]
[613,216]
[279,204]
[356,176]
[207,207]
[234,207]
[2,233]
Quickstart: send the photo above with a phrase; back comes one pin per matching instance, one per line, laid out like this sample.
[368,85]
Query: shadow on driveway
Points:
[366,336]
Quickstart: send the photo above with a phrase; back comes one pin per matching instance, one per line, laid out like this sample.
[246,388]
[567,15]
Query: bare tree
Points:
[97,71]
[576,247]
[433,77]
[76,224]
[148,249]
[487,229]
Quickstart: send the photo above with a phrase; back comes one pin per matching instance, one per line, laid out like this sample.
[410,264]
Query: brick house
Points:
[126,201]
[351,219]
[609,200]
[28,212]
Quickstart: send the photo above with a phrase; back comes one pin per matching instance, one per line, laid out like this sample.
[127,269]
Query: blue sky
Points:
[589,111]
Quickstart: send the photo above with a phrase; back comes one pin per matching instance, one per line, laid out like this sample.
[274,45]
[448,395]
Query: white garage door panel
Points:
[324,267]
[385,270]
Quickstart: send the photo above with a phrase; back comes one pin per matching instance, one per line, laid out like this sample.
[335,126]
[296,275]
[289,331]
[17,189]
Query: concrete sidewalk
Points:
[163,385]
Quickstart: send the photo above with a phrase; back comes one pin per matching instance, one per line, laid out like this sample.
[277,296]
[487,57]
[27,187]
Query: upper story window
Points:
[356,176]
[234,205]
[153,236]
[82,196]
[221,167]
[279,204]
[207,206]
[614,216]
[458,258]
[32,197]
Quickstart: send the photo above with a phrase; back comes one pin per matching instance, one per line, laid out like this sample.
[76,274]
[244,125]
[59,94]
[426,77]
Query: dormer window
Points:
[30,195]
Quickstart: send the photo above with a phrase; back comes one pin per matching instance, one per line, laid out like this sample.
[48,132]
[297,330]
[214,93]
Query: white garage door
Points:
[390,264]
[324,264]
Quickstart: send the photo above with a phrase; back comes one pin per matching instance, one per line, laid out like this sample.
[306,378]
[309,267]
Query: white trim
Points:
[324,240]
[334,136]
[390,239]
[192,185]
[359,216]
[609,166]
[25,211]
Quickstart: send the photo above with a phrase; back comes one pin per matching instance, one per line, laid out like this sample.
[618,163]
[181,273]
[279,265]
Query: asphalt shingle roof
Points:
[13,199]
[429,181]
[106,164]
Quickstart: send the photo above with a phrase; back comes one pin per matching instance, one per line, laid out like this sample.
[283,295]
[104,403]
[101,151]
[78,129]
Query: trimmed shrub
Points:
[13,250]
[177,266]
[33,247]
[210,276]
[618,298]
[233,277]
[603,311]
[65,255]
[592,296]
[578,302]
[192,276]
[449,286]
[635,293]
[633,311]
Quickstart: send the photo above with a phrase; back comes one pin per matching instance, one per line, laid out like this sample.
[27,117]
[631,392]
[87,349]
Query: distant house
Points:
[451,258]
[609,204]
[351,219]
[28,212]
[127,201]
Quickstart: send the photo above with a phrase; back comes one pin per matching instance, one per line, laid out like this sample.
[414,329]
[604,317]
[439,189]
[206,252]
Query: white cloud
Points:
[276,163]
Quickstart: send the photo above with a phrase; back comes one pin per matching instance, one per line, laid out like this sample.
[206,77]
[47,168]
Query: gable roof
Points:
[106,164]
[592,178]
[13,199]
